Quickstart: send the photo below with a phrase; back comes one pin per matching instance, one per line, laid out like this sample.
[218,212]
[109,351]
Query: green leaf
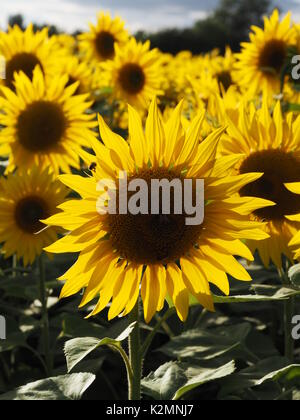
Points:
[207,344]
[75,326]
[272,294]
[79,348]
[288,373]
[294,274]
[67,387]
[174,379]
[268,369]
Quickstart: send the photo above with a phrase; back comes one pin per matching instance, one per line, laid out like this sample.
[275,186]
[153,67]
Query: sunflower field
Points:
[128,306]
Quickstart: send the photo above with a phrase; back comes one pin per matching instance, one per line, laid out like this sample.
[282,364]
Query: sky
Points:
[150,15]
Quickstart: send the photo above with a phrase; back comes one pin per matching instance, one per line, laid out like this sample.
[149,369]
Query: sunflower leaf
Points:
[67,387]
[294,274]
[175,379]
[207,344]
[78,349]
[271,369]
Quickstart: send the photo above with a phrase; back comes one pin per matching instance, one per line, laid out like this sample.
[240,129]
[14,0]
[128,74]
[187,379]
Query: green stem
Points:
[135,356]
[14,265]
[289,306]
[45,318]
[149,339]
[289,341]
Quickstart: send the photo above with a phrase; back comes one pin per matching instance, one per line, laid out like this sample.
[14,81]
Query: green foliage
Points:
[173,380]
[67,387]
[236,353]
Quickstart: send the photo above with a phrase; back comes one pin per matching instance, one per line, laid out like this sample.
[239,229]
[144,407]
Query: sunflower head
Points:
[155,253]
[27,197]
[262,60]
[135,73]
[269,144]
[99,44]
[24,50]
[44,122]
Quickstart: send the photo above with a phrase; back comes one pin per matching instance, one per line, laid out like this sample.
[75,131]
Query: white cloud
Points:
[75,14]
[70,15]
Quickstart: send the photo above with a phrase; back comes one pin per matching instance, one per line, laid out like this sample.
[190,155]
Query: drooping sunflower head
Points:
[24,50]
[269,142]
[262,60]
[99,44]
[44,122]
[27,197]
[156,249]
[135,73]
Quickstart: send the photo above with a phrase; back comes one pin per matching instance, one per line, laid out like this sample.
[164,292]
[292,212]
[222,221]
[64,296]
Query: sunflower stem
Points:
[135,356]
[45,318]
[288,316]
[289,305]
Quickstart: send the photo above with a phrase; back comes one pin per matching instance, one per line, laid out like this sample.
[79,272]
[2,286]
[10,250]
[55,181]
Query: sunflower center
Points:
[28,213]
[132,78]
[105,45]
[153,238]
[41,126]
[25,62]
[278,168]
[225,79]
[273,56]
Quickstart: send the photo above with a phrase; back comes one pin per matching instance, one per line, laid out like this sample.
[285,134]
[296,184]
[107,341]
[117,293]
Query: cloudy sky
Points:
[140,14]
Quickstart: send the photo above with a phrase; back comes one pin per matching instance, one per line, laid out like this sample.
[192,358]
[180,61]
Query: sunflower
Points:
[99,44]
[261,60]
[135,73]
[28,196]
[44,123]
[295,241]
[222,68]
[269,144]
[120,252]
[24,50]
[77,71]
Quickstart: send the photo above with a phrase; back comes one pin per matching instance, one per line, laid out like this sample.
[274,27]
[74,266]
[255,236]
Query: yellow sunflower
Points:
[99,44]
[77,71]
[45,123]
[269,144]
[295,241]
[120,252]
[135,73]
[26,197]
[261,60]
[23,51]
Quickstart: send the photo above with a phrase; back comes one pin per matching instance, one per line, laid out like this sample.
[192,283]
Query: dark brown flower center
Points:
[132,78]
[41,126]
[105,45]
[279,168]
[25,62]
[273,56]
[225,79]
[153,238]
[28,213]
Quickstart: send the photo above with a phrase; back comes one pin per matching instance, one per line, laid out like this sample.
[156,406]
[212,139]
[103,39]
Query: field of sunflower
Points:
[101,305]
